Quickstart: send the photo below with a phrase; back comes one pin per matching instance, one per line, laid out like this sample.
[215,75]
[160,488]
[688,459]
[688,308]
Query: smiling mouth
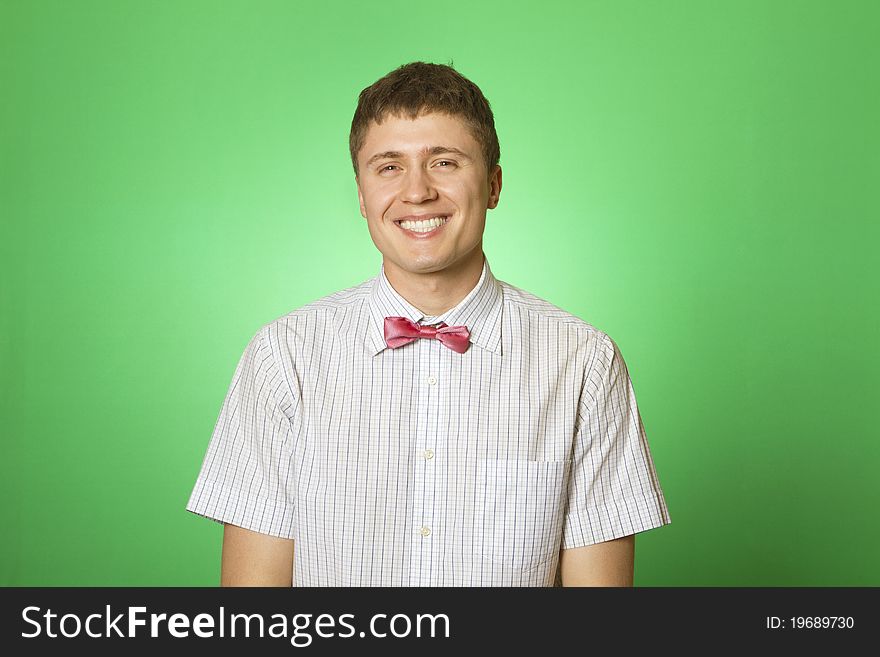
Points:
[424,226]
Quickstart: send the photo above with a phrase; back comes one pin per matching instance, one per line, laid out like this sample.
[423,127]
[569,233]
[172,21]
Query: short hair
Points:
[420,88]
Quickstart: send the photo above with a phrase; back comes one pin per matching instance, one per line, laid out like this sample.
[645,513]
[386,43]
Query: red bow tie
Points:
[400,331]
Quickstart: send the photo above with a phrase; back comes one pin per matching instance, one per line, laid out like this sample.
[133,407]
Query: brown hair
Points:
[419,88]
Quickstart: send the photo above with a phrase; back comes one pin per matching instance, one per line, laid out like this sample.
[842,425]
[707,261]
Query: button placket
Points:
[424,491]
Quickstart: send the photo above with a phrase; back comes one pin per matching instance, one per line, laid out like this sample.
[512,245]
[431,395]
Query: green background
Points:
[697,179]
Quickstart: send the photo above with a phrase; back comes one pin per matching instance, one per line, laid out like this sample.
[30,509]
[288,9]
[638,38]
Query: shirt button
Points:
[431,380]
[425,531]
[429,453]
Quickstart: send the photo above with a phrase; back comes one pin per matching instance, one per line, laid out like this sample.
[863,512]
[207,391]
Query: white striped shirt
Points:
[421,466]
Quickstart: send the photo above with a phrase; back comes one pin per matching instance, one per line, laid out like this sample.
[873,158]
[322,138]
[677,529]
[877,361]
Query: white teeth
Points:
[424,226]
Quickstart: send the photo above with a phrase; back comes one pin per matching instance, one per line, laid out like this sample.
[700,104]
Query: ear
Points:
[494,187]
[360,198]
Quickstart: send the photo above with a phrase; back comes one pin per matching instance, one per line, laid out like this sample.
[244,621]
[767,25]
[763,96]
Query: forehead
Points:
[417,135]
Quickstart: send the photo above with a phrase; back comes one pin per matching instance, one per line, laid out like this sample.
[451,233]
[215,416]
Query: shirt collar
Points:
[480,311]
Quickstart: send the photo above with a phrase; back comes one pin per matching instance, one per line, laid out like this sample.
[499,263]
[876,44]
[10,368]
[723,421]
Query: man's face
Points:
[411,171]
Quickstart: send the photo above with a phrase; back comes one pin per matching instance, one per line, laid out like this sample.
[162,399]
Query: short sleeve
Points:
[245,476]
[613,490]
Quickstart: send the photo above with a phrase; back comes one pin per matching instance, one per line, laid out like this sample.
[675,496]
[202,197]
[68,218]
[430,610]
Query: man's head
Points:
[421,88]
[423,144]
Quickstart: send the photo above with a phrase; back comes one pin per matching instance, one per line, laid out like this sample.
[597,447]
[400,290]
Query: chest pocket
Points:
[519,511]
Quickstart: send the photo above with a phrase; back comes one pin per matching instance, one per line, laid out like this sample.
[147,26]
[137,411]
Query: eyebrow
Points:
[428,150]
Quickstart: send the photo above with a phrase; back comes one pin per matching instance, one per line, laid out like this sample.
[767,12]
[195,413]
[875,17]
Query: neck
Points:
[433,293]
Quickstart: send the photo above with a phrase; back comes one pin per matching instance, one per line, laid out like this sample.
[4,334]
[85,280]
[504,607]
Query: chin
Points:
[421,266]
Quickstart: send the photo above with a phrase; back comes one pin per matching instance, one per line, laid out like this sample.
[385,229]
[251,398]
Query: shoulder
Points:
[588,336]
[315,314]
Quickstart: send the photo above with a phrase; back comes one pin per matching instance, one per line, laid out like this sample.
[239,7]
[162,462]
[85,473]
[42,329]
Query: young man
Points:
[432,426]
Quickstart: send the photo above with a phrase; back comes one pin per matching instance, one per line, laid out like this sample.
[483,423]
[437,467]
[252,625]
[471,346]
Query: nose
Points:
[417,187]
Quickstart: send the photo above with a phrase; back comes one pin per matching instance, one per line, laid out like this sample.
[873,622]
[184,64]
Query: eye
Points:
[387,166]
[449,162]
